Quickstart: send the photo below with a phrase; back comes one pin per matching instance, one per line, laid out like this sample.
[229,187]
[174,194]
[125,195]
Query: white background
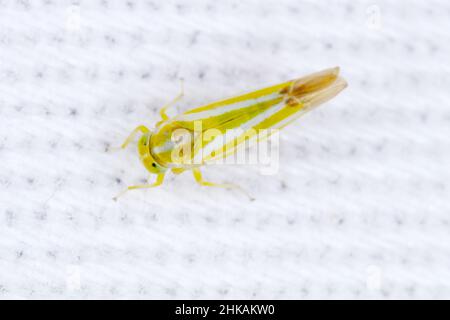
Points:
[359,208]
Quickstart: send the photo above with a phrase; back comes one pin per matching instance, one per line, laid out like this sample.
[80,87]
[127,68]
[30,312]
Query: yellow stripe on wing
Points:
[232,119]
[245,97]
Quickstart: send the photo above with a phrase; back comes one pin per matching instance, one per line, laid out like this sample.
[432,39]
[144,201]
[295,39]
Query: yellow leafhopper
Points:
[190,140]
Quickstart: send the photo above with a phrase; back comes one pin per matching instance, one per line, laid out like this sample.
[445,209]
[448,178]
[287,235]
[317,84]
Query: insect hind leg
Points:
[199,179]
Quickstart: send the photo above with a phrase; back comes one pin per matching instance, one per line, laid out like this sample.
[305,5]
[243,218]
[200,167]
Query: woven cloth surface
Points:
[359,207]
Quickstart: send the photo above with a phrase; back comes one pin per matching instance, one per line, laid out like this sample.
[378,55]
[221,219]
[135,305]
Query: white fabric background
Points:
[359,208]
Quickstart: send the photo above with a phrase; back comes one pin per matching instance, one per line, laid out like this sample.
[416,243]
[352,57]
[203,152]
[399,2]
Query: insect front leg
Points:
[141,128]
[163,110]
[159,181]
[199,179]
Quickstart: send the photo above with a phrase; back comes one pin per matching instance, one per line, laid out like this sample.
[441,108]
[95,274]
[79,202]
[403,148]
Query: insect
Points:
[162,149]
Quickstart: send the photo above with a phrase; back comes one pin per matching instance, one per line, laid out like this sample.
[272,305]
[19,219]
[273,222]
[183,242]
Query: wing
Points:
[233,112]
[228,119]
[239,119]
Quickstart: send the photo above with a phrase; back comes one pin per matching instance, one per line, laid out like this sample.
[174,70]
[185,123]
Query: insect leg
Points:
[163,110]
[159,181]
[142,129]
[199,179]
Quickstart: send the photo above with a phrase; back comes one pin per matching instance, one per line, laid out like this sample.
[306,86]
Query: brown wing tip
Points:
[317,88]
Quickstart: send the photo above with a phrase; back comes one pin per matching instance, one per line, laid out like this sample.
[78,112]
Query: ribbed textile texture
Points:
[360,205]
